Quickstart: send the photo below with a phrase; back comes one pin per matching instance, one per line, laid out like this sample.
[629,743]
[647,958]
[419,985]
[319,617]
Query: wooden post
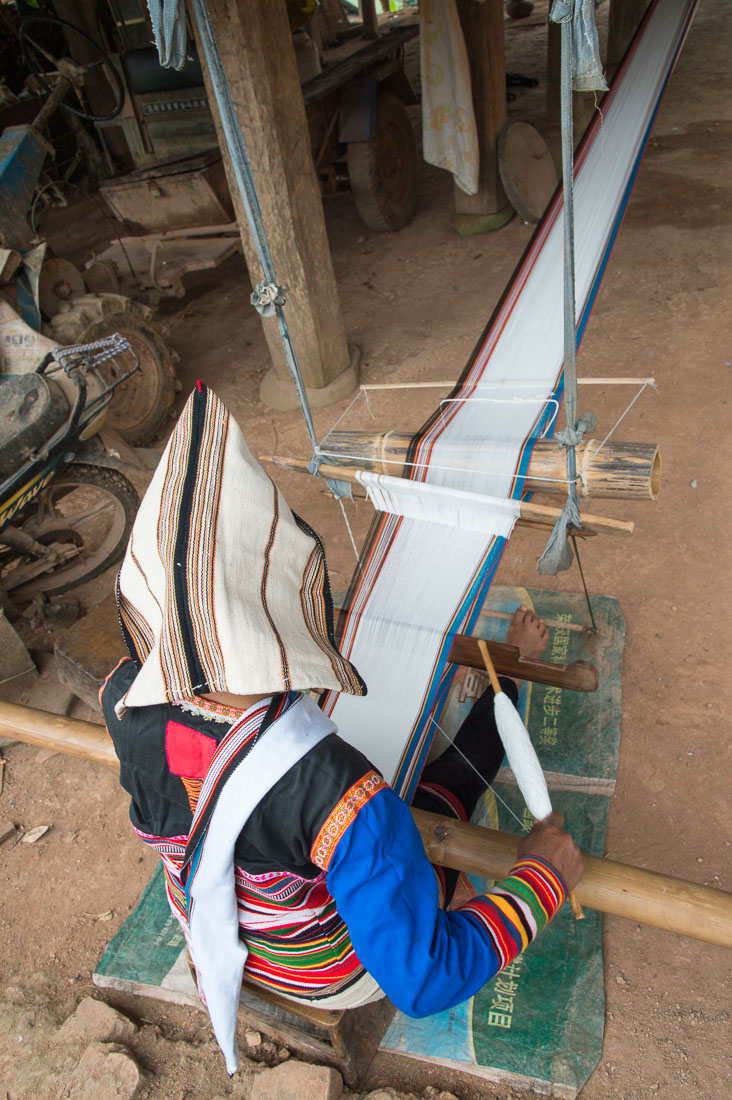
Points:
[658,900]
[483,31]
[255,44]
[370,19]
[623,21]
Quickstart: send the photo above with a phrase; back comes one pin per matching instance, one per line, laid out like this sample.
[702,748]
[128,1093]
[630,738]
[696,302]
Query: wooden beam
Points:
[255,43]
[643,896]
[483,31]
[507,660]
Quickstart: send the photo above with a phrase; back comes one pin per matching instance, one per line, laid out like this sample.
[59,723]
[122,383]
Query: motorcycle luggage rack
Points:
[83,358]
[75,361]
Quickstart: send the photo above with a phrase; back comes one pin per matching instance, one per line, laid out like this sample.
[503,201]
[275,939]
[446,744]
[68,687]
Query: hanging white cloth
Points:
[449,135]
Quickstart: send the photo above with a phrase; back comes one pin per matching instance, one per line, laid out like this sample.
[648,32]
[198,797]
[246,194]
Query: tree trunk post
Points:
[255,43]
[483,31]
[623,21]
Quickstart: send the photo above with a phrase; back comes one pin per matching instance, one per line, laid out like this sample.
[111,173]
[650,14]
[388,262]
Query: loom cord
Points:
[489,786]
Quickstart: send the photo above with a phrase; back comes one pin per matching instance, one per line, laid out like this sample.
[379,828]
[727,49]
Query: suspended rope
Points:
[580,71]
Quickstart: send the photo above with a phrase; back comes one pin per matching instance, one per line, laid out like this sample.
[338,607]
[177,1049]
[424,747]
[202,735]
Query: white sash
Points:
[213,917]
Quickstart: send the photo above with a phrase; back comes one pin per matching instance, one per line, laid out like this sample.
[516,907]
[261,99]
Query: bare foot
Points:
[527,631]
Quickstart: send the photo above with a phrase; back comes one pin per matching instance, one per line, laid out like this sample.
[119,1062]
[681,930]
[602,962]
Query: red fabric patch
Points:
[189,752]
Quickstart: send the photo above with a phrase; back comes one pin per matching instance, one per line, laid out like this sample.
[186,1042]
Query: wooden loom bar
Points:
[627,471]
[658,900]
[368,386]
[528,511]
[507,659]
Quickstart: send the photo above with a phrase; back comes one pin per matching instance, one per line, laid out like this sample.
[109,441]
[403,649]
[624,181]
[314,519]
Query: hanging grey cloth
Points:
[341,490]
[169,28]
[587,75]
[558,554]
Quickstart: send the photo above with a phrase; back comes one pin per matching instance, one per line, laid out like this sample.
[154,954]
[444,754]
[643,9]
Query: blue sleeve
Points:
[424,959]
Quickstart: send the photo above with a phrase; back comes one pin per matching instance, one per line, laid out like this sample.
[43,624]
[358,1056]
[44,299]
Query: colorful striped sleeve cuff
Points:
[515,910]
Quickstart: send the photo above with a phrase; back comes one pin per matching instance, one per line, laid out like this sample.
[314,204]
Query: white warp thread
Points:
[394,635]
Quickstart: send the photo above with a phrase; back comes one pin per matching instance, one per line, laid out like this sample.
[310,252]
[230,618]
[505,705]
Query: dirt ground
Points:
[415,302]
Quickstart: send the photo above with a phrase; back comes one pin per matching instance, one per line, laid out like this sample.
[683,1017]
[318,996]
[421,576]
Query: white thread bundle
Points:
[522,757]
[435,504]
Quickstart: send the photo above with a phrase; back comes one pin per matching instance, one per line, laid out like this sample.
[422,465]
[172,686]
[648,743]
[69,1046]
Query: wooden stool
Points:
[346,1038]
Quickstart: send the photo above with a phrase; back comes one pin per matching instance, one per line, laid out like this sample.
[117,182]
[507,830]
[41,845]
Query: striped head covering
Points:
[223,588]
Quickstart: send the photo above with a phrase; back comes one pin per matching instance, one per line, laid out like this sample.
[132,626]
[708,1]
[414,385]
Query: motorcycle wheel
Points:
[87,512]
[141,407]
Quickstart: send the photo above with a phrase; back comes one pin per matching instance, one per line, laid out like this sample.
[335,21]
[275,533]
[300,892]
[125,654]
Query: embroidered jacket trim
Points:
[343,815]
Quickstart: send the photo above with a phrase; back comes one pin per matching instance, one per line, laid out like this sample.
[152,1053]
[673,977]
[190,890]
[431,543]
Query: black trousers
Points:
[449,785]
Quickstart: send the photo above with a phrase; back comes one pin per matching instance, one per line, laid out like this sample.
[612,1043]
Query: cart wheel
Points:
[383,172]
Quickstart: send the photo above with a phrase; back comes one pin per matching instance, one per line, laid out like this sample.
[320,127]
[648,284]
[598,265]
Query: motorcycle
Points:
[65,510]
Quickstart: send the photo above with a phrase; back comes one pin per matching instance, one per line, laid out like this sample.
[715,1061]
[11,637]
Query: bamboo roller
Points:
[643,896]
[627,471]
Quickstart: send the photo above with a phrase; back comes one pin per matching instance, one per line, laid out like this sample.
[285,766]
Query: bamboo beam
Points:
[626,471]
[644,896]
[540,513]
[507,659]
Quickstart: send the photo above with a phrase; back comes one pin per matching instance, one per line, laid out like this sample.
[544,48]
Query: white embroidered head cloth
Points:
[222,587]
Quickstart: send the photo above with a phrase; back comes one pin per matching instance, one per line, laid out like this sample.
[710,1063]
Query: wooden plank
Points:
[578,676]
[336,75]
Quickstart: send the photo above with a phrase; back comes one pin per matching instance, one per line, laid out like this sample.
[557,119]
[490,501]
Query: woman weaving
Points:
[285,852]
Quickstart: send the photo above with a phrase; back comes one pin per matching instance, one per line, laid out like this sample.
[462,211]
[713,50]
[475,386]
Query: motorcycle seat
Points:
[32,409]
